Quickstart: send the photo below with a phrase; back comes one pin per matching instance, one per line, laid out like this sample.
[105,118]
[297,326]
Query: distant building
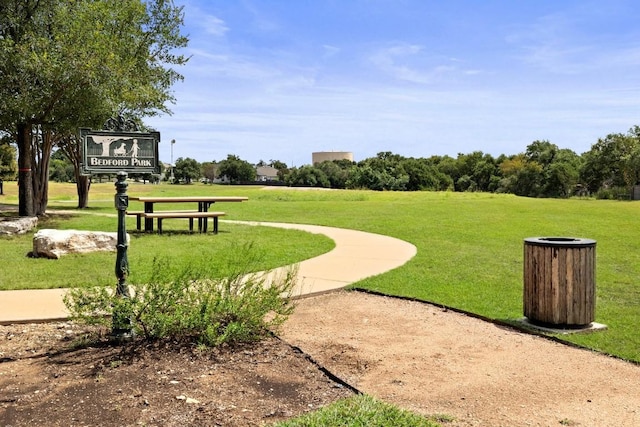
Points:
[323,156]
[266,173]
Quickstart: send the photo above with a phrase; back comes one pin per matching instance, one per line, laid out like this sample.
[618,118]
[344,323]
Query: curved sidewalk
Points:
[356,256]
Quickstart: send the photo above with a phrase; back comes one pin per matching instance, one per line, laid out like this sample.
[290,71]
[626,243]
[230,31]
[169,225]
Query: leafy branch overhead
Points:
[69,64]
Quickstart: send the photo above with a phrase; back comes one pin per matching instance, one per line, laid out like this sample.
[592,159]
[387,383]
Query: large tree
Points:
[236,169]
[543,170]
[67,64]
[187,170]
[210,171]
[614,161]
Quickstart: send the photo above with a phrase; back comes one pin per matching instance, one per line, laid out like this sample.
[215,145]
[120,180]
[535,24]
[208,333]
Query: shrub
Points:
[192,304]
[613,193]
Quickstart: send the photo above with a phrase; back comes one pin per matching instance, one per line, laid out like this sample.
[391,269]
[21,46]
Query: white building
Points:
[323,156]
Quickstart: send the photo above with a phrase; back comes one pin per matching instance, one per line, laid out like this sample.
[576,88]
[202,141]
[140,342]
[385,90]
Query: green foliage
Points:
[192,304]
[382,172]
[613,193]
[562,175]
[8,165]
[236,170]
[209,171]
[473,172]
[60,168]
[367,177]
[78,62]
[278,164]
[543,170]
[307,176]
[614,161]
[336,172]
[360,411]
[187,170]
[423,176]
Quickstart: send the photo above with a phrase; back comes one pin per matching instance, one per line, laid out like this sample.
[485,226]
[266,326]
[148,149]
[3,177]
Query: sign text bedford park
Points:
[111,152]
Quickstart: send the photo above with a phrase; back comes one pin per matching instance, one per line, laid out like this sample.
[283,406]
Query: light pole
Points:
[173,141]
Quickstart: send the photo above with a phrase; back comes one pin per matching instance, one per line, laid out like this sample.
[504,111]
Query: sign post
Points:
[121,329]
[120,149]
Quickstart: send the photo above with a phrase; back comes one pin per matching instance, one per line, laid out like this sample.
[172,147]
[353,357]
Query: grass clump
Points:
[359,411]
[192,303]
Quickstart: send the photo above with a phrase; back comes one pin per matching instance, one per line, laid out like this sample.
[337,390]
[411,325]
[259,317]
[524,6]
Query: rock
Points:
[19,225]
[52,244]
[187,399]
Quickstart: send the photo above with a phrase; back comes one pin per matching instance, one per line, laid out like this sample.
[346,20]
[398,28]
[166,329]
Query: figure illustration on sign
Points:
[134,148]
[120,151]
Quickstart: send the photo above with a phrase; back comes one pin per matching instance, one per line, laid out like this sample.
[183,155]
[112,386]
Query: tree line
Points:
[608,170]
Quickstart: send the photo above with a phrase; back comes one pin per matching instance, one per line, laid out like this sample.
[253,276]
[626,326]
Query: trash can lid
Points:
[560,241]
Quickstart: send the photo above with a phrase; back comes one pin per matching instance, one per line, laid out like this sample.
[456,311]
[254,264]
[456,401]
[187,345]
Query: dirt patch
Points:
[436,361]
[415,355]
[46,382]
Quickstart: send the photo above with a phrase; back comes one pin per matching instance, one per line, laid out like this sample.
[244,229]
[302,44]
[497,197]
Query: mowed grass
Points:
[470,245]
[268,247]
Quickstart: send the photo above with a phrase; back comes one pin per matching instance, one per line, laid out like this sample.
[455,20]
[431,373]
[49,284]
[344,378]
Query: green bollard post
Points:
[121,322]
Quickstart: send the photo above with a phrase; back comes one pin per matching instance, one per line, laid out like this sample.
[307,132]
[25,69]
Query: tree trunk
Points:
[83,183]
[25,186]
[41,155]
[71,148]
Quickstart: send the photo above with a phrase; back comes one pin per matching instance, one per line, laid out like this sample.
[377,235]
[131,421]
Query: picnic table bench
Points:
[190,215]
[202,214]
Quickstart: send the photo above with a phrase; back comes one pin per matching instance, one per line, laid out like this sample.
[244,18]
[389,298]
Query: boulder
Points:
[16,225]
[48,243]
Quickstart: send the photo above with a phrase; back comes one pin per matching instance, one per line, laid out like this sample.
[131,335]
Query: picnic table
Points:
[202,214]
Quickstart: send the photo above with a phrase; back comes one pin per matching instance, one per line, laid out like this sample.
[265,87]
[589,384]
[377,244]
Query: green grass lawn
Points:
[268,248]
[470,245]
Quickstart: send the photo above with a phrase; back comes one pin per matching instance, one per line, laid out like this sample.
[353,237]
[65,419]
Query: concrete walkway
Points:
[357,255]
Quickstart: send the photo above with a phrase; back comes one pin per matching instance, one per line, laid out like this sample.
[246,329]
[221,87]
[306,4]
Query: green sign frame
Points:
[109,152]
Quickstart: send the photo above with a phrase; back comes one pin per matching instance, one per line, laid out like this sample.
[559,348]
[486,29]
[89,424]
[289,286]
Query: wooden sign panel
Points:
[112,152]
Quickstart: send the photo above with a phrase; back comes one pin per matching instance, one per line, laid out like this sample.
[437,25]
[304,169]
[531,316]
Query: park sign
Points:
[110,152]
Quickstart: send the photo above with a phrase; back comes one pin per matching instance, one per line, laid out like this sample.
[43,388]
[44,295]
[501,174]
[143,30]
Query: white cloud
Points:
[411,63]
[393,61]
[330,51]
[213,25]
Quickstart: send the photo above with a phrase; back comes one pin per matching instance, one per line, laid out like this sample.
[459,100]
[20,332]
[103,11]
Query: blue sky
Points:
[280,79]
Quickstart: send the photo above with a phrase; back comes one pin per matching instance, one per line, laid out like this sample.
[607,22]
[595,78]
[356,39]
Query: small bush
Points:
[614,193]
[192,304]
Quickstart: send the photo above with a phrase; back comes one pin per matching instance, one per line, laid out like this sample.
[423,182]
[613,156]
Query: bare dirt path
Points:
[433,361]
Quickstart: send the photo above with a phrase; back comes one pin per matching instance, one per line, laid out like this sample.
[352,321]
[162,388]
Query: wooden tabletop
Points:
[205,199]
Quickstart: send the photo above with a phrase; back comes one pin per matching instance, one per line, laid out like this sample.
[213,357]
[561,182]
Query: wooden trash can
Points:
[559,281]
